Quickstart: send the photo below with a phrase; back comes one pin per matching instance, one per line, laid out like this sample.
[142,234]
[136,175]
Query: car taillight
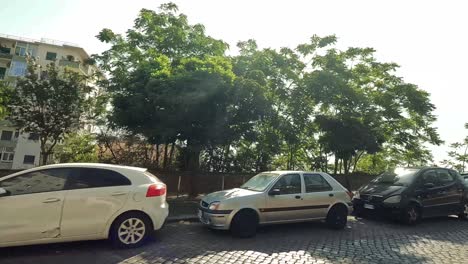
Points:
[350,194]
[158,189]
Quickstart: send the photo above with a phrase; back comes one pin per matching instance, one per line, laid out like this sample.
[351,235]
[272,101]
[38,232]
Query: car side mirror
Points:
[429,185]
[3,192]
[274,192]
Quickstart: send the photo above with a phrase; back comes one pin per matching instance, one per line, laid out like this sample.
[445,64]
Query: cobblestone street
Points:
[441,240]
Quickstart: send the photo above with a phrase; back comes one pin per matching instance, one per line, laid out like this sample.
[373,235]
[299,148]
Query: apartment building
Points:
[20,150]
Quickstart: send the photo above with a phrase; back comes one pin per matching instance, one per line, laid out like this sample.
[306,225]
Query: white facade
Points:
[18,152]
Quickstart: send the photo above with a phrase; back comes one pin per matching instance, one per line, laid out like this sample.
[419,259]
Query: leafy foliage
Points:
[77,147]
[262,109]
[458,155]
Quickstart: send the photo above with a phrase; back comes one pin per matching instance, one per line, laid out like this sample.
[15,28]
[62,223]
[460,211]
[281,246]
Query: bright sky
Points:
[427,38]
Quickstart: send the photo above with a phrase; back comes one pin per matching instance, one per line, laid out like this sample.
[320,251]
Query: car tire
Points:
[244,224]
[337,217]
[130,230]
[411,215]
[464,213]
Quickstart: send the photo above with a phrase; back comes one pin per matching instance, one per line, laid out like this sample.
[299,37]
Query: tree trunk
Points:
[341,166]
[157,155]
[165,157]
[171,154]
[356,159]
[336,165]
[346,171]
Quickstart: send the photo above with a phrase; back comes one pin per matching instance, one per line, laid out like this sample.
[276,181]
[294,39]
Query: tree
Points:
[48,103]
[458,155]
[171,82]
[77,147]
[363,107]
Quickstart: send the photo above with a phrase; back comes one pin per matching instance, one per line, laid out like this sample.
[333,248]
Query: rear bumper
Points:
[215,219]
[159,215]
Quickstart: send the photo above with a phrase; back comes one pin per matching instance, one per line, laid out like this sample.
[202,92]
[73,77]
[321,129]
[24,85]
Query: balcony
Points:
[74,65]
[5,56]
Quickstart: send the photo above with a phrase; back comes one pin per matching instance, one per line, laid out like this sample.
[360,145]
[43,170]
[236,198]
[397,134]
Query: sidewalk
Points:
[183,208]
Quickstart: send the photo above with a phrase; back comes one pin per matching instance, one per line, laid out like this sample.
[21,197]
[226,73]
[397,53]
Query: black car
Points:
[465,176]
[414,193]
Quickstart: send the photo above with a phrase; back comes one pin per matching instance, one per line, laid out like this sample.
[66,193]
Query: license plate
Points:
[369,206]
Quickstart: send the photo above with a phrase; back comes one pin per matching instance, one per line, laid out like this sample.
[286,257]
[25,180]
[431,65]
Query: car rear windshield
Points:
[398,177]
[259,182]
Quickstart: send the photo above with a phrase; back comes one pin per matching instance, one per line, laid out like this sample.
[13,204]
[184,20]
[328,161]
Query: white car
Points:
[69,202]
[277,197]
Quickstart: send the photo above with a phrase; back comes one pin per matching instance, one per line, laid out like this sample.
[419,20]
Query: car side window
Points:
[444,177]
[316,183]
[429,176]
[50,180]
[96,178]
[289,184]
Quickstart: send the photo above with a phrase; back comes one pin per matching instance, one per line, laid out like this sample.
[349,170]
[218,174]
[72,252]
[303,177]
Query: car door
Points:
[288,204]
[450,192]
[429,192]
[33,205]
[318,196]
[95,195]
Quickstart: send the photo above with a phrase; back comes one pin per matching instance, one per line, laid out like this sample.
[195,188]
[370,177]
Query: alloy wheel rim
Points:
[131,231]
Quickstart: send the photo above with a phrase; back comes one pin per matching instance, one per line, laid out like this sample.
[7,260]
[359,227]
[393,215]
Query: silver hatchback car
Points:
[277,197]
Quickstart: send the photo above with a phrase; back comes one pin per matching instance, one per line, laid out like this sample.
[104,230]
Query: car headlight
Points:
[214,206]
[393,199]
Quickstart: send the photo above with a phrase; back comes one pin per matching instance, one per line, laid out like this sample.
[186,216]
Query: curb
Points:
[188,218]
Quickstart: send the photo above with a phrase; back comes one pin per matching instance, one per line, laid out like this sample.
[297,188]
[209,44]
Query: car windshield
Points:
[399,177]
[259,182]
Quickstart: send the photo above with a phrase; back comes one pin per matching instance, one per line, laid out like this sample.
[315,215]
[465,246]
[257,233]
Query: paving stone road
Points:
[441,240]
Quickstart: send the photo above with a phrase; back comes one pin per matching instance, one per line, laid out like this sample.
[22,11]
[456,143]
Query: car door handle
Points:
[118,193]
[331,194]
[297,197]
[51,200]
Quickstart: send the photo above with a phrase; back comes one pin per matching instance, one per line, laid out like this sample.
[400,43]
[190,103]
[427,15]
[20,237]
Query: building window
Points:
[5,50]
[2,73]
[51,56]
[18,68]
[33,136]
[7,155]
[23,49]
[6,135]
[29,159]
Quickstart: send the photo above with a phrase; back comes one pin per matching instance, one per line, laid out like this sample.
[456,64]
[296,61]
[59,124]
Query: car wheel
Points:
[464,213]
[244,224]
[411,215]
[337,217]
[130,230]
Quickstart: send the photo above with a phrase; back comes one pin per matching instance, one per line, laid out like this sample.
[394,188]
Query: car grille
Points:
[371,198]
[204,204]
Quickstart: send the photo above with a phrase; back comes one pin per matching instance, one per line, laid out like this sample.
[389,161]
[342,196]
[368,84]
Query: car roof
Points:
[92,165]
[291,171]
